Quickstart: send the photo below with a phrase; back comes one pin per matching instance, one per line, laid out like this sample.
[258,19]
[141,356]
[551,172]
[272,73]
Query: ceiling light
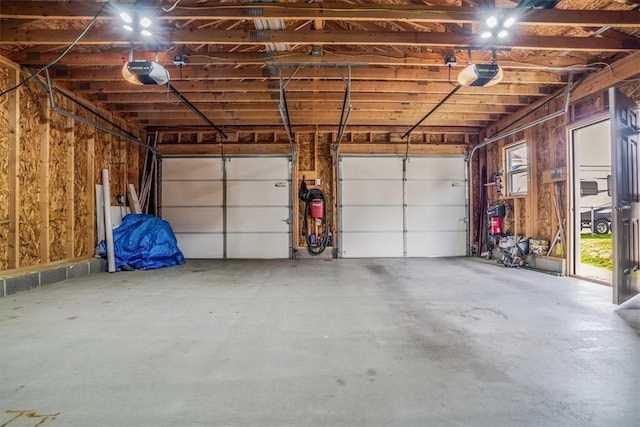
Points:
[486,34]
[509,22]
[502,34]
[492,21]
[146,33]
[145,22]
[127,27]
[126,18]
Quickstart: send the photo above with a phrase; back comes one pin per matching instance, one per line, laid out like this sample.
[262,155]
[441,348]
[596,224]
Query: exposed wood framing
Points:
[91,192]
[612,75]
[13,260]
[70,189]
[45,142]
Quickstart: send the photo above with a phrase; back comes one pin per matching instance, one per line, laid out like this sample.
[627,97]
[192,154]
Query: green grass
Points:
[597,250]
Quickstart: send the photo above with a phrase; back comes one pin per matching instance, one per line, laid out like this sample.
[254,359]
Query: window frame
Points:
[522,168]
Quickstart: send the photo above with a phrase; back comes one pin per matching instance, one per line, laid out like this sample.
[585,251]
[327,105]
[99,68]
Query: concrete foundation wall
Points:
[20,282]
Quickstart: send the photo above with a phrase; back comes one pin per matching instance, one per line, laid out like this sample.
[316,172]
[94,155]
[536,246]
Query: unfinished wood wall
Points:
[49,166]
[533,215]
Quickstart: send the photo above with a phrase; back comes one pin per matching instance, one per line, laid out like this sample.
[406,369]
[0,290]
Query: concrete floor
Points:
[411,342]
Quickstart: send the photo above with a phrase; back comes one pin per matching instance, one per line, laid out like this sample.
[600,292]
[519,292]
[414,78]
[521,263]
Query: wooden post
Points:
[70,186]
[45,140]
[133,200]
[13,104]
[91,194]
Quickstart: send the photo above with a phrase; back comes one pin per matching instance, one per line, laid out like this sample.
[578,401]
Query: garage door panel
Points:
[262,168]
[380,168]
[201,245]
[254,193]
[258,245]
[200,219]
[435,218]
[435,192]
[372,192]
[383,218]
[258,211]
[192,193]
[192,168]
[258,219]
[435,168]
[372,245]
[436,244]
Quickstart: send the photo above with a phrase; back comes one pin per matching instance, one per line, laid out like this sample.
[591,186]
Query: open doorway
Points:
[592,202]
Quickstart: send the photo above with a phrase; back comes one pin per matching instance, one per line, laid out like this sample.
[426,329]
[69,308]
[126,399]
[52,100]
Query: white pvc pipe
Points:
[108,228]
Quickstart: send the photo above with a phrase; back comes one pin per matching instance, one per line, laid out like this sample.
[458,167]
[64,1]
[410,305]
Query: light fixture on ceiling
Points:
[497,26]
[135,22]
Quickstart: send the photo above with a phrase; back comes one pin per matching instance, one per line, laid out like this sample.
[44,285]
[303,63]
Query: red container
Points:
[316,209]
[496,225]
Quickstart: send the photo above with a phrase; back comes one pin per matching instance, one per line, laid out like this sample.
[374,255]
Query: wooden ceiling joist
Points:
[340,38]
[328,11]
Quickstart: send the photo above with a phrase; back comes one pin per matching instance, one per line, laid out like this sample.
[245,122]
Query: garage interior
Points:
[435,141]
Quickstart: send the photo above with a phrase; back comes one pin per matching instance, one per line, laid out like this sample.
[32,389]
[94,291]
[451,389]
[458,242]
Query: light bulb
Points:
[145,22]
[502,34]
[126,18]
[486,34]
[145,33]
[492,21]
[127,27]
[509,22]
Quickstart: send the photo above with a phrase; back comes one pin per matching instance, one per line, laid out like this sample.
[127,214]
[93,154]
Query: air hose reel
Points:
[315,217]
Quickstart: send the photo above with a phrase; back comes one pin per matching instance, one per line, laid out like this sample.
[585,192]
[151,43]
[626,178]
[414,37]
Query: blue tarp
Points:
[144,242]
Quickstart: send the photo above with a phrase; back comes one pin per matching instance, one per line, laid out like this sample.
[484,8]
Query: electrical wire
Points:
[55,61]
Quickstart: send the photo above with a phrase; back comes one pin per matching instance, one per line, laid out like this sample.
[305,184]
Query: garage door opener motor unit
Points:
[315,210]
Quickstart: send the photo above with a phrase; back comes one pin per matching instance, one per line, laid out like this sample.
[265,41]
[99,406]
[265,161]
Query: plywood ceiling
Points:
[389,53]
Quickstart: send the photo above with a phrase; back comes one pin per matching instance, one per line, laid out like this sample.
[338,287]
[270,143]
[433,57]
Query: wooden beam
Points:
[45,172]
[400,149]
[91,192]
[208,36]
[616,73]
[216,149]
[330,11]
[212,76]
[462,106]
[298,91]
[70,189]
[332,56]
[13,105]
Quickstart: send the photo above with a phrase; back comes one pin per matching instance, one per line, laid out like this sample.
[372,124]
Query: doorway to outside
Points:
[592,202]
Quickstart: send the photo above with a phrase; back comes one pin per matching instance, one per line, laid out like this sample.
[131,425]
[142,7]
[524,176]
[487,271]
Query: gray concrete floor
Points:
[411,342]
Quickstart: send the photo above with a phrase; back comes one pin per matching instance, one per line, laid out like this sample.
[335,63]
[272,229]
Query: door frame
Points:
[574,189]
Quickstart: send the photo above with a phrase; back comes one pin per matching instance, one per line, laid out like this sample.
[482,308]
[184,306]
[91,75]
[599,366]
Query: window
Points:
[517,171]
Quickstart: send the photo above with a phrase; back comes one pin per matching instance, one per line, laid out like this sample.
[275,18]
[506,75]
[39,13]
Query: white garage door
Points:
[192,202]
[391,207]
[371,207]
[248,220]
[436,207]
[258,200]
